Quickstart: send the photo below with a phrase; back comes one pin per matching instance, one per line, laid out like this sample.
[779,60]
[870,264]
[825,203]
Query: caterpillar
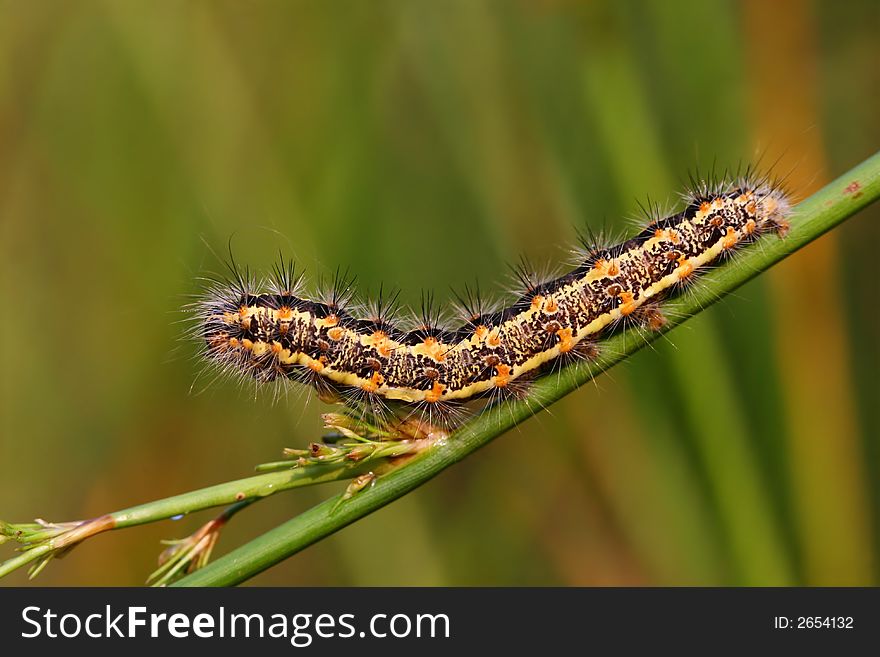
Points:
[273,331]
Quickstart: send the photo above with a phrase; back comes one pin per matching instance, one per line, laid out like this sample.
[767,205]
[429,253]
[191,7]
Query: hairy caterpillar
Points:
[272,331]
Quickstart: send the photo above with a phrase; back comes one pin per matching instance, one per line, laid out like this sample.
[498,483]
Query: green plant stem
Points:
[249,488]
[24,558]
[258,486]
[812,218]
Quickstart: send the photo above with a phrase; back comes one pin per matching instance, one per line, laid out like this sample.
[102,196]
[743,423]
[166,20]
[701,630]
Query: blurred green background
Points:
[425,144]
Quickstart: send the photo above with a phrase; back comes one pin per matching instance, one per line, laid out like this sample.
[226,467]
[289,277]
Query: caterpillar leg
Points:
[780,227]
[651,317]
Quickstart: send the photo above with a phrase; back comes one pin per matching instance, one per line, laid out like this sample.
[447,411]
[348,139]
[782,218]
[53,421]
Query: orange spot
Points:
[243,310]
[480,332]
[685,268]
[276,347]
[704,206]
[373,383]
[233,342]
[673,236]
[494,339]
[730,239]
[317,364]
[566,341]
[551,306]
[503,377]
[433,395]
[335,333]
[435,349]
[380,342]
[667,234]
[537,300]
[750,227]
[284,312]
[607,267]
[247,344]
[331,320]
[628,305]
[751,208]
